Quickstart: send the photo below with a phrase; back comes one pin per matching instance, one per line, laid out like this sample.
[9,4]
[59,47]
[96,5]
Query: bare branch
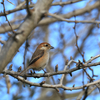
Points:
[68,71]
[10,2]
[3,42]
[82,93]
[73,21]
[54,86]
[6,17]
[51,20]
[27,7]
[65,3]
[32,5]
[61,80]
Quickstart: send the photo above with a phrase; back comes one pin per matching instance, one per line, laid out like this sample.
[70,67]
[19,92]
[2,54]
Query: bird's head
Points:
[45,46]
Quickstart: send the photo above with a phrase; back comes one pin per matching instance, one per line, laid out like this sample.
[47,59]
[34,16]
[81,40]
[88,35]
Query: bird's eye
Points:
[46,45]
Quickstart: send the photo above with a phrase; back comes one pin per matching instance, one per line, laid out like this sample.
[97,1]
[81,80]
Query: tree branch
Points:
[68,15]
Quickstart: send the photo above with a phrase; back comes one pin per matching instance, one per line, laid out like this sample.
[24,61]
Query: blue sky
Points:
[91,47]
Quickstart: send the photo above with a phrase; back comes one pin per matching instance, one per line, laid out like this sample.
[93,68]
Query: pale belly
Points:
[43,63]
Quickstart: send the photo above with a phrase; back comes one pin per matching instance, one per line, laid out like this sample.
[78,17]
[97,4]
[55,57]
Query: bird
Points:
[40,58]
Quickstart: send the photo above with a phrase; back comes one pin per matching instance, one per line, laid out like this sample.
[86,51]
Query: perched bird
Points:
[40,58]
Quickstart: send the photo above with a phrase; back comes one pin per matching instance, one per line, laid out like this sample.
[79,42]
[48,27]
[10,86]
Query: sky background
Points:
[91,47]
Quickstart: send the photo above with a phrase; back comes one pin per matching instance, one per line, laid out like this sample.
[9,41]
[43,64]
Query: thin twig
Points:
[3,42]
[28,8]
[82,54]
[6,16]
[72,21]
[11,2]
[61,80]
[65,3]
[25,52]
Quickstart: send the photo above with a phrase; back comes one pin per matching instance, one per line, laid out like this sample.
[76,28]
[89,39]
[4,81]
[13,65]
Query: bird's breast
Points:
[42,62]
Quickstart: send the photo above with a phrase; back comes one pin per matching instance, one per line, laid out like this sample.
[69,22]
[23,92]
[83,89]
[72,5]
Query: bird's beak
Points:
[51,47]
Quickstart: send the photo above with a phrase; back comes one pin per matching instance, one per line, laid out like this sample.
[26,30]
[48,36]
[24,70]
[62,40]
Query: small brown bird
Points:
[40,58]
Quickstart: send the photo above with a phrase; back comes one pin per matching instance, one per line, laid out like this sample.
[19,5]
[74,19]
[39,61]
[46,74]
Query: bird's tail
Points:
[24,71]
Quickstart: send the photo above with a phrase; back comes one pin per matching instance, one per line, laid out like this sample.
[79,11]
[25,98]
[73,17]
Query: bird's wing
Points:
[37,54]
